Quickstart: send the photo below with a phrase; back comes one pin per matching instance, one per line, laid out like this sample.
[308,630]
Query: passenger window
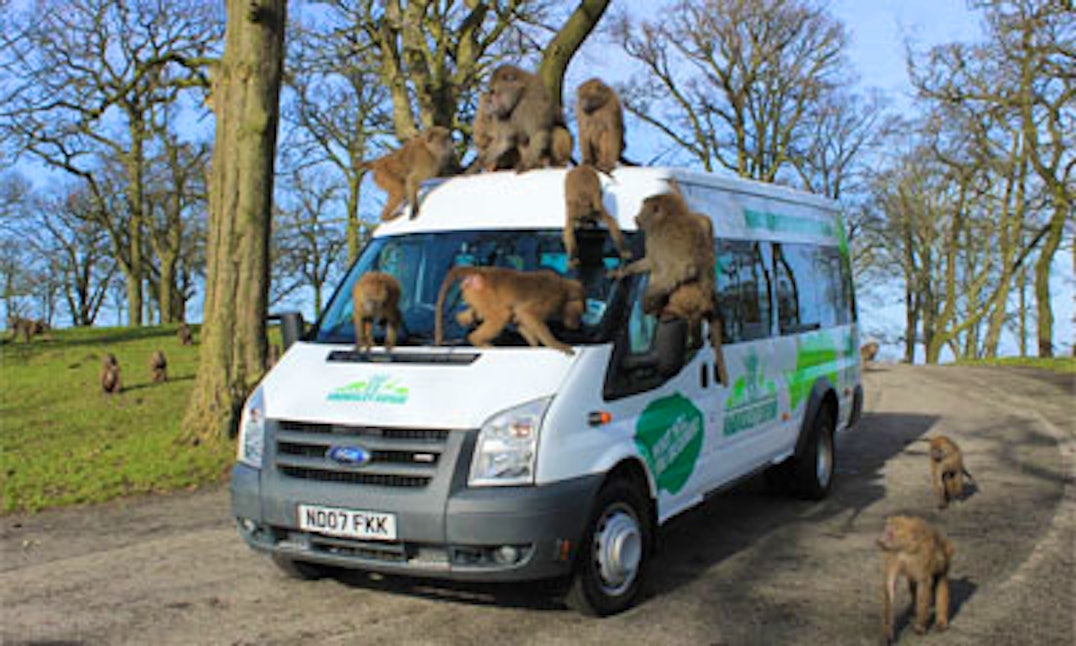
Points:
[743,291]
[811,293]
[640,326]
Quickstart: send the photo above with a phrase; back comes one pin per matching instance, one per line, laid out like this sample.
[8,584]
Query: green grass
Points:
[63,442]
[1061,365]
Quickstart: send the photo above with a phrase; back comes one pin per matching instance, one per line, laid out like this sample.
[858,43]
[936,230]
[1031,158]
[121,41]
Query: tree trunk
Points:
[564,45]
[135,203]
[354,225]
[246,94]
[1021,314]
[1042,282]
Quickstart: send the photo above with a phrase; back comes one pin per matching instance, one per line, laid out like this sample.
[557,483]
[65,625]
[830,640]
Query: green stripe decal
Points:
[788,223]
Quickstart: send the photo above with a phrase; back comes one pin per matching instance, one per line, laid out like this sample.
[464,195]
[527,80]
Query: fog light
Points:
[505,555]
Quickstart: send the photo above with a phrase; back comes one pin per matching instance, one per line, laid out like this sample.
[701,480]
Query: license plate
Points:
[348,523]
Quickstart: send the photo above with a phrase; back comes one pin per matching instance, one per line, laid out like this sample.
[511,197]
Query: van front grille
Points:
[395,457]
[354,477]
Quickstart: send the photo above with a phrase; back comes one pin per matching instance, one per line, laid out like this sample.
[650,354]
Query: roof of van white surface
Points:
[535,199]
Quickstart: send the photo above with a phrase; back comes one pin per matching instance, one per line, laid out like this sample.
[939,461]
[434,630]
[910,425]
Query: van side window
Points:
[811,292]
[640,326]
[743,291]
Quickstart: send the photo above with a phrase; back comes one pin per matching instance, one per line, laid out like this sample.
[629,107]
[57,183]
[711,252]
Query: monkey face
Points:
[650,215]
[592,95]
[506,89]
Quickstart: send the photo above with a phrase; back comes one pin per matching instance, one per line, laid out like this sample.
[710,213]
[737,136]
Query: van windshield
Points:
[419,261]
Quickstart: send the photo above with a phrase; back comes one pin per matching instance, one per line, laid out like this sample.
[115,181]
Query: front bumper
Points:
[458,536]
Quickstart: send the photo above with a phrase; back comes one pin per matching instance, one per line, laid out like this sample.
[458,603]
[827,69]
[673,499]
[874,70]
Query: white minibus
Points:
[512,462]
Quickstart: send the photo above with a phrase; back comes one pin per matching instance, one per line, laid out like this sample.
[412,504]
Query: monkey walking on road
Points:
[947,470]
[913,549]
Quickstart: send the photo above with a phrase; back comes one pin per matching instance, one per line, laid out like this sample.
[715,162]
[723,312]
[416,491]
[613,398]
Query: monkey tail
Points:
[454,274]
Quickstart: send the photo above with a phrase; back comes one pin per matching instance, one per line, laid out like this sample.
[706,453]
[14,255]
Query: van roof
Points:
[535,199]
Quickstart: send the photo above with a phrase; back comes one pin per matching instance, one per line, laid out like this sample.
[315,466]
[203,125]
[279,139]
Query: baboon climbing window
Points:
[810,290]
[743,291]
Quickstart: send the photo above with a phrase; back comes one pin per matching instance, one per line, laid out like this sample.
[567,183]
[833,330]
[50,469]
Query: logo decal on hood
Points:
[379,389]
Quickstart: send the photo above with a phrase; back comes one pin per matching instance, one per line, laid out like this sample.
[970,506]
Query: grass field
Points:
[1063,365]
[63,442]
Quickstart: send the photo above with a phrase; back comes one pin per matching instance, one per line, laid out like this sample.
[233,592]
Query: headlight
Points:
[507,446]
[252,430]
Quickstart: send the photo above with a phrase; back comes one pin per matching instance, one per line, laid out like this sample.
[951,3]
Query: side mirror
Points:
[669,351]
[291,326]
[670,346]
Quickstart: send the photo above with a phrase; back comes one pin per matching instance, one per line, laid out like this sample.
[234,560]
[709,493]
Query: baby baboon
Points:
[524,117]
[184,334]
[497,296]
[868,351]
[375,297]
[947,471]
[679,256]
[110,375]
[601,125]
[915,550]
[583,206]
[425,156]
[158,367]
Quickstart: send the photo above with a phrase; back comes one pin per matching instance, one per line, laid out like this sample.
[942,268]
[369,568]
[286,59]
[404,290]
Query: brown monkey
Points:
[21,327]
[583,206]
[601,125]
[868,351]
[375,297]
[158,367]
[183,334]
[947,471]
[560,146]
[425,156]
[110,375]
[915,550]
[497,296]
[524,118]
[679,256]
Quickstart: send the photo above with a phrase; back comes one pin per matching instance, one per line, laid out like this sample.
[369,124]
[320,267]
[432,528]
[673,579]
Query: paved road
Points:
[746,568]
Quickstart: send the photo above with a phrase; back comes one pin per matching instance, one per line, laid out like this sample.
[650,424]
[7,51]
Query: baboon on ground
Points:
[913,549]
[158,367]
[183,334]
[111,383]
[947,470]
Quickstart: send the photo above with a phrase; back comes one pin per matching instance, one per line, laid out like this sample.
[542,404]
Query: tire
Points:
[299,570]
[812,472]
[614,553]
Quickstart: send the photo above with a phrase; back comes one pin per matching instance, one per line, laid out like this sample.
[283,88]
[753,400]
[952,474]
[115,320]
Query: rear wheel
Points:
[614,553]
[300,570]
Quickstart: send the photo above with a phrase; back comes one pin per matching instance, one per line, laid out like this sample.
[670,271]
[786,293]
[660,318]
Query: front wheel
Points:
[614,553]
[813,470]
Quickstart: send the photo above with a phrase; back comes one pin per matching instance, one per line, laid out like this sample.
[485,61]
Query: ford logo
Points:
[355,456]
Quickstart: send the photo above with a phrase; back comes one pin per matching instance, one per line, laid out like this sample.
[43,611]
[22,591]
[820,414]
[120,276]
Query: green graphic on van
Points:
[753,399]
[379,389]
[669,435]
[816,356]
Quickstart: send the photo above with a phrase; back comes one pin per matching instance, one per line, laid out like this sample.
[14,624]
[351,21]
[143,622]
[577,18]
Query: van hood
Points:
[451,388]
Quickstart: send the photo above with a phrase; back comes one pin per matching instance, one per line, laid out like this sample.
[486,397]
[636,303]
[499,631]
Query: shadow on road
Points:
[726,524]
